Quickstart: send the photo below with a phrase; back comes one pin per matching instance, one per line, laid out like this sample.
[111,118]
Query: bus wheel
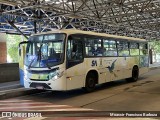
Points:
[135,75]
[90,82]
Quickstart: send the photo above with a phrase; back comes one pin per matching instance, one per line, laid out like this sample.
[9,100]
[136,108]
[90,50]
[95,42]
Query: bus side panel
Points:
[141,61]
[118,71]
[123,67]
[99,65]
[131,62]
[144,64]
[75,76]
[127,71]
[109,68]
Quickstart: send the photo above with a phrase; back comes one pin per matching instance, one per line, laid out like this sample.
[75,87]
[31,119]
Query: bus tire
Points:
[90,82]
[135,75]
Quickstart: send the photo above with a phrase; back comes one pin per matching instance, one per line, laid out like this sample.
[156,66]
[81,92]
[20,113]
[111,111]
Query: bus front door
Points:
[75,65]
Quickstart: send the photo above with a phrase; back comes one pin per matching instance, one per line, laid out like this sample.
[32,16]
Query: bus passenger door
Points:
[74,63]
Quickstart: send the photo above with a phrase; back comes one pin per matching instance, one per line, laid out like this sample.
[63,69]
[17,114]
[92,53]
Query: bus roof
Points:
[74,31]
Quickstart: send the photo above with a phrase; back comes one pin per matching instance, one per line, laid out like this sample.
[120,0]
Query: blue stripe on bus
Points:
[21,73]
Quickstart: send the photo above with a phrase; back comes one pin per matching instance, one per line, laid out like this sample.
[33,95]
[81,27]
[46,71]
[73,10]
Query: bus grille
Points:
[44,85]
[39,79]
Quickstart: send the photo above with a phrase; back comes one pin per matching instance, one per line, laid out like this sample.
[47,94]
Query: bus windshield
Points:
[45,50]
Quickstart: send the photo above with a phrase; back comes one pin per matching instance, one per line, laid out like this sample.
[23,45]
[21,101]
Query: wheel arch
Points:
[135,66]
[95,72]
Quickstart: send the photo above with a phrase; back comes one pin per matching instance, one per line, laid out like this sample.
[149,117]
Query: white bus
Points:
[70,59]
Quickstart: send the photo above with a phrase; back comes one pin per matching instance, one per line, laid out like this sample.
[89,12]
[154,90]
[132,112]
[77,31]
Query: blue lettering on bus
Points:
[94,63]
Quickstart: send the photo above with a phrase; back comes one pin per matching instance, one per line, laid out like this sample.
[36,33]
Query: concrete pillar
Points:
[151,56]
[3,48]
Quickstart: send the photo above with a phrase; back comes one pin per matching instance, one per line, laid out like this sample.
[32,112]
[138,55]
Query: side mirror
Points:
[19,47]
[24,42]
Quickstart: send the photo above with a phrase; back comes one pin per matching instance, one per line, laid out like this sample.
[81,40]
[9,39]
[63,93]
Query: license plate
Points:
[40,87]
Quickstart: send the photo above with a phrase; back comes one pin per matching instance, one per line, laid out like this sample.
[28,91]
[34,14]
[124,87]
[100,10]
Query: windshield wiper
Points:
[39,52]
[31,63]
[39,56]
[47,64]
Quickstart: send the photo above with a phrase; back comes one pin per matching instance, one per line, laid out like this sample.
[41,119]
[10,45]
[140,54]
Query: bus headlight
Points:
[55,75]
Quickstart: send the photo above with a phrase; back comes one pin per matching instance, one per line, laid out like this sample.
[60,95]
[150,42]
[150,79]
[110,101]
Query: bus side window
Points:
[109,47]
[74,49]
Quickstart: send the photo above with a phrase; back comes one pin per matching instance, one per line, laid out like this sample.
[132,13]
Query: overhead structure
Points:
[135,18]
